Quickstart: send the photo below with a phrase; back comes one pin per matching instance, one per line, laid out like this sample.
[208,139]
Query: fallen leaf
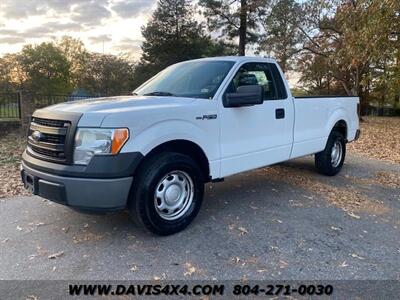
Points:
[55,255]
[343,264]
[283,264]
[134,268]
[261,270]
[353,215]
[357,256]
[236,259]
[379,139]
[243,230]
[189,269]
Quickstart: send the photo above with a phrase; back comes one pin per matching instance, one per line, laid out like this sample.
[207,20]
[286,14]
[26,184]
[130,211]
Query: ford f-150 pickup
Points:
[194,122]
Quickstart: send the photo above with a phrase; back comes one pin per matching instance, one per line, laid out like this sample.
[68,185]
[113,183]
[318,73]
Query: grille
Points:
[53,138]
[46,152]
[47,139]
[49,123]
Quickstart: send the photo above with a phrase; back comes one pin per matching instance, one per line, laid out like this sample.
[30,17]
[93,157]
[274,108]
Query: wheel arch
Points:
[186,147]
[338,119]
[341,126]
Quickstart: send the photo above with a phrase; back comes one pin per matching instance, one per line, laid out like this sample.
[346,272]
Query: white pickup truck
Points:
[194,122]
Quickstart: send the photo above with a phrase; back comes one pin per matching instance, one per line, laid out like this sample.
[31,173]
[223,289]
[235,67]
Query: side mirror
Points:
[246,95]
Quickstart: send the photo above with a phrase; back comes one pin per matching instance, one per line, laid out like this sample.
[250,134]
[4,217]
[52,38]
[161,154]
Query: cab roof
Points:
[238,58]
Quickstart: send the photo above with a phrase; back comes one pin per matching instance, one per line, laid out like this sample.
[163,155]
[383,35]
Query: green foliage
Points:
[235,19]
[10,73]
[64,66]
[107,75]
[75,52]
[46,69]
[282,34]
[171,36]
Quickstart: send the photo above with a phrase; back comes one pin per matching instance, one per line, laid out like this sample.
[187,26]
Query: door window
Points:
[264,74]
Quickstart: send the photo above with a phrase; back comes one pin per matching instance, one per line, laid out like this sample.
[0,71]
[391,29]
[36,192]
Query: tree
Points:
[11,73]
[171,36]
[107,75]
[45,68]
[316,76]
[353,37]
[282,34]
[75,52]
[235,19]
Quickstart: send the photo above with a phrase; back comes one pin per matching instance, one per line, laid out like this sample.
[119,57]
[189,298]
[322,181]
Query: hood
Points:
[119,104]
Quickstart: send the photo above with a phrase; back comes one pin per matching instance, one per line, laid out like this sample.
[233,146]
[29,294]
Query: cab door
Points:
[258,135]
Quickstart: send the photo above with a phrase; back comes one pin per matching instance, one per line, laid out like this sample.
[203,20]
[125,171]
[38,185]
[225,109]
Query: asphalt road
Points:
[252,226]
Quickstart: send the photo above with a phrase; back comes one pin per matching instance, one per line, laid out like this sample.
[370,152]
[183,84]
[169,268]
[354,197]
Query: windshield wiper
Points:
[159,94]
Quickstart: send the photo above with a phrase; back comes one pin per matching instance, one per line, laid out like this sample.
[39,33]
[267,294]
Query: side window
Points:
[262,74]
[280,85]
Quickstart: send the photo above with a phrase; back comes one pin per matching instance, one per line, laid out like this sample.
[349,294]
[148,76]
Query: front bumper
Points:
[92,194]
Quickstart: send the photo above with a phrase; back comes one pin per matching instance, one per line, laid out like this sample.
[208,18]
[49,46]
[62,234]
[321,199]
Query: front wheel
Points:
[167,193]
[330,161]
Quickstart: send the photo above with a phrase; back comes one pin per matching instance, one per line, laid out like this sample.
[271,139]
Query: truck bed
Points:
[314,118]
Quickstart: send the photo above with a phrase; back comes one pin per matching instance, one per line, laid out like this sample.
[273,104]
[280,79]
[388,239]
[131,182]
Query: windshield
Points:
[196,79]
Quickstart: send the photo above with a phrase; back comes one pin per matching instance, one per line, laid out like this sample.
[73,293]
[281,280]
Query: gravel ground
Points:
[264,224]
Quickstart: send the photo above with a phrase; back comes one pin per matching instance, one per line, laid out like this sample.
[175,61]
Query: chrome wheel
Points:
[336,153]
[174,195]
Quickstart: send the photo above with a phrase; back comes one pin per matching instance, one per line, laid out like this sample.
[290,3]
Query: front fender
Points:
[169,130]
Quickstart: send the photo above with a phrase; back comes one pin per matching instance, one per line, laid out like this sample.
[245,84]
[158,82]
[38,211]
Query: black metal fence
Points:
[382,111]
[10,106]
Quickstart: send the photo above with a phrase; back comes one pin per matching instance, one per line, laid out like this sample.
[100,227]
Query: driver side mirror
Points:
[245,95]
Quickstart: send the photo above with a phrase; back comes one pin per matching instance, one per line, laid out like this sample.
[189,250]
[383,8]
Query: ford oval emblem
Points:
[37,136]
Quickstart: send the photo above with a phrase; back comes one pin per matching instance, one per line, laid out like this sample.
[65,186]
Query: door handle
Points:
[279,113]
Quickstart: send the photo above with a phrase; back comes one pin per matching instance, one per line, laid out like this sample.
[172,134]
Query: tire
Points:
[167,193]
[330,161]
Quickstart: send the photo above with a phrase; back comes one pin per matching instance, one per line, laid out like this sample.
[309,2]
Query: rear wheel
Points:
[167,193]
[330,161]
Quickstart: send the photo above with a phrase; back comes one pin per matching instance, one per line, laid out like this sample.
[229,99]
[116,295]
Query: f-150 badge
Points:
[207,117]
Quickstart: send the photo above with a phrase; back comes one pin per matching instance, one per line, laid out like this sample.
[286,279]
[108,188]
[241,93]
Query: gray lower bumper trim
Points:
[97,194]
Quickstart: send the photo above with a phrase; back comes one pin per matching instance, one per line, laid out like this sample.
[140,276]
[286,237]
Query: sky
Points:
[112,26]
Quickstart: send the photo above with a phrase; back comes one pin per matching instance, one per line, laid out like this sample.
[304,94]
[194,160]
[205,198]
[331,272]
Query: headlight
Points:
[92,141]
